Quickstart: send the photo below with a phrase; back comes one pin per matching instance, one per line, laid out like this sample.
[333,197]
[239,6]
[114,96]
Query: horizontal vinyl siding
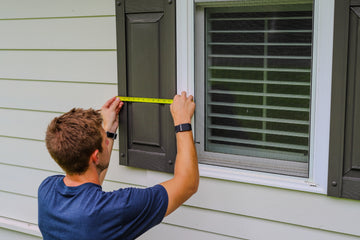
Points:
[247,227]
[52,8]
[72,66]
[19,207]
[309,210]
[175,232]
[6,234]
[53,56]
[56,55]
[54,33]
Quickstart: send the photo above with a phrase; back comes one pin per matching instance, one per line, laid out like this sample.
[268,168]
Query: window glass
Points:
[258,62]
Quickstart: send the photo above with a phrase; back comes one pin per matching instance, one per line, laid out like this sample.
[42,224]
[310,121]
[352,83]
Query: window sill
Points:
[259,178]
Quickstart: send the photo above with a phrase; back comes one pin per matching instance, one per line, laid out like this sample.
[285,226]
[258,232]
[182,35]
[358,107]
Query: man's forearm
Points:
[186,176]
[186,165]
[103,173]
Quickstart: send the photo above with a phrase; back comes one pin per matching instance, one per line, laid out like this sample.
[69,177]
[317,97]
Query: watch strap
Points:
[111,135]
[183,127]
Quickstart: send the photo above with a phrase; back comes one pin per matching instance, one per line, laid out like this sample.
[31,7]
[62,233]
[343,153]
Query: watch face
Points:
[111,135]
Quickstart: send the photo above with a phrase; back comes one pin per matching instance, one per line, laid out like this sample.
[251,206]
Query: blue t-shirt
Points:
[87,212]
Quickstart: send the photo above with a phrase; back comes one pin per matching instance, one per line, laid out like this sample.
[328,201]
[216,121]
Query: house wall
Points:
[55,55]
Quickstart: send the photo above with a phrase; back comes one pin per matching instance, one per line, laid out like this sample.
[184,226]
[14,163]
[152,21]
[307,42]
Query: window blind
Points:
[258,81]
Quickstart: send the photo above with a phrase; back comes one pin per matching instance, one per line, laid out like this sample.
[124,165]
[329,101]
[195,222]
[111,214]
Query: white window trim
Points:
[320,125]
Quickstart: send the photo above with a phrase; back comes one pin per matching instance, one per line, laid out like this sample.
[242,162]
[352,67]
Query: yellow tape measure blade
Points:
[145,100]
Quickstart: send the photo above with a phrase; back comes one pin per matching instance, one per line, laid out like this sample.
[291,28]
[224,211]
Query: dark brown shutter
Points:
[344,164]
[146,68]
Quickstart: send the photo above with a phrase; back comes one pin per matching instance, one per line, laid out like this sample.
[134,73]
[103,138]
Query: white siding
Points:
[72,66]
[84,33]
[55,55]
[52,8]
[6,234]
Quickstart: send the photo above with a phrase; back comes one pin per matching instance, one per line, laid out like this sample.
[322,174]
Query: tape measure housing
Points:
[145,100]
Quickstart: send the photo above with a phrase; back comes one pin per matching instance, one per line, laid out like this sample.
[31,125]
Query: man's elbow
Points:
[193,188]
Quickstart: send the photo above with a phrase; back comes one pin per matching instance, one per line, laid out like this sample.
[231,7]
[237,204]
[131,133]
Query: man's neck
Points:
[74,180]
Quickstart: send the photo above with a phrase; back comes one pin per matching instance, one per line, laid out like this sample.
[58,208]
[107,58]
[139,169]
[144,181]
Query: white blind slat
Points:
[259,56]
[261,44]
[263,119]
[259,81]
[260,31]
[260,69]
[254,130]
[259,143]
[260,94]
[256,19]
[242,105]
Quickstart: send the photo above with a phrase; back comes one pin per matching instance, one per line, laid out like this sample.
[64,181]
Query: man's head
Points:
[73,137]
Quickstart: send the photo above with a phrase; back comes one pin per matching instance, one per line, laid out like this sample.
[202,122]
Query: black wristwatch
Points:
[183,127]
[111,135]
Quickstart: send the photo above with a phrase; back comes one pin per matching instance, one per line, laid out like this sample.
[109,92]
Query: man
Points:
[75,207]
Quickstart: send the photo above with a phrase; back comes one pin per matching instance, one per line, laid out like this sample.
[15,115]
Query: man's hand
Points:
[182,108]
[110,113]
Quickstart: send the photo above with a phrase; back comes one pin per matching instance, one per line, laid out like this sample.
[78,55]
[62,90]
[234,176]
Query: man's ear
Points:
[94,157]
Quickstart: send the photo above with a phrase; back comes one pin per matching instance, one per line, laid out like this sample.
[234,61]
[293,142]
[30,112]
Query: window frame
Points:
[246,161]
[188,16]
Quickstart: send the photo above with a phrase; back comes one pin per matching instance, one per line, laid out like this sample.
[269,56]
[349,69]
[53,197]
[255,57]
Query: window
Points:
[256,86]
[186,64]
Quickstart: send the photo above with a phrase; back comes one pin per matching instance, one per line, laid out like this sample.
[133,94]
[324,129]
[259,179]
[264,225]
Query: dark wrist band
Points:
[183,127]
[111,135]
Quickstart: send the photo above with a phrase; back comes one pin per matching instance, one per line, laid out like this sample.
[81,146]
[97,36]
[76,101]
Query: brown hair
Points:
[73,137]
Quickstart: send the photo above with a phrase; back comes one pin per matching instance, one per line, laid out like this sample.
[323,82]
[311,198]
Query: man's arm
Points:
[110,113]
[186,175]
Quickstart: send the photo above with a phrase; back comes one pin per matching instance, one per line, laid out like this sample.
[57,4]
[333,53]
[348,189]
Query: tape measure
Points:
[145,100]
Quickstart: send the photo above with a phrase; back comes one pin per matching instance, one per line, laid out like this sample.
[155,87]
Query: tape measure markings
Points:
[145,100]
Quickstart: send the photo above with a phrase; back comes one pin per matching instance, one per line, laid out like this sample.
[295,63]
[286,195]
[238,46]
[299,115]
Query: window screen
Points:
[258,63]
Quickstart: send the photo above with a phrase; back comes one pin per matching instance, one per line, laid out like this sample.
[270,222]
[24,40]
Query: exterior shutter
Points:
[146,68]
[344,164]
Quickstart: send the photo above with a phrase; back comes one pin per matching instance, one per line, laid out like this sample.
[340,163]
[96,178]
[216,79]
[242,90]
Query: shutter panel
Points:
[351,178]
[146,66]
[344,165]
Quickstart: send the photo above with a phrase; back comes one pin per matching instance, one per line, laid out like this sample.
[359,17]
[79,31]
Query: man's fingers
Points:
[121,104]
[112,104]
[184,95]
[191,98]
[109,102]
